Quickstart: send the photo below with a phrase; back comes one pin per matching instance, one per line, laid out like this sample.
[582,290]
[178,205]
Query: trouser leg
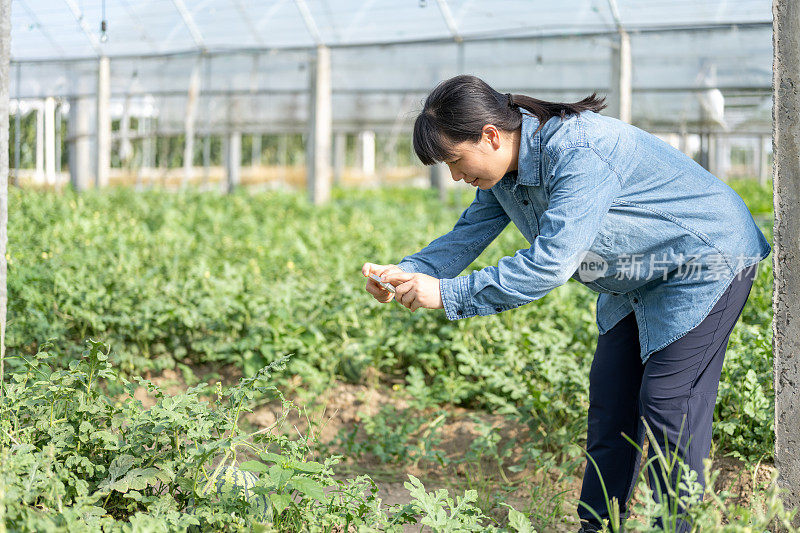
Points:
[614,382]
[679,390]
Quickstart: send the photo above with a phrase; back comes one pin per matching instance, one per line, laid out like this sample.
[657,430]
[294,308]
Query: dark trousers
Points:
[674,391]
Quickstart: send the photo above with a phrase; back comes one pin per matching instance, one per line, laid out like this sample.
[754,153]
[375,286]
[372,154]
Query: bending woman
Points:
[671,249]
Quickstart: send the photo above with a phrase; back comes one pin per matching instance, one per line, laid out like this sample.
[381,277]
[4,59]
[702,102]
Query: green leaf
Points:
[280,501]
[309,487]
[254,466]
[310,467]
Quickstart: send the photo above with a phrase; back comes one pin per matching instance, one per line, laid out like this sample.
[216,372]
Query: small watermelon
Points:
[230,478]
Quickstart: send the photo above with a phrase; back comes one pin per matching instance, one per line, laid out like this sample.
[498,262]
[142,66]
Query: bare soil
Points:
[550,495]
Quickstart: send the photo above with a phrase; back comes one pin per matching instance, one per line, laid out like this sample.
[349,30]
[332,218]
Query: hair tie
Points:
[510,99]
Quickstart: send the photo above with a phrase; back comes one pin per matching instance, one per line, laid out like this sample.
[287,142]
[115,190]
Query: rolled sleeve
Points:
[582,188]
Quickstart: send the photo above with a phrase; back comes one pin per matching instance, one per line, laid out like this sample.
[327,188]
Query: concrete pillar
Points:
[50,140]
[5,55]
[761,160]
[206,159]
[620,101]
[318,147]
[188,125]
[17,128]
[79,143]
[339,154]
[141,132]
[38,176]
[786,249]
[103,122]
[233,159]
[366,151]
[59,136]
[149,144]
[439,176]
[722,157]
[255,153]
[283,156]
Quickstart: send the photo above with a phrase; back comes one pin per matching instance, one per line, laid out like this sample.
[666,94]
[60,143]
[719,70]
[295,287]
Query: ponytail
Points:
[458,109]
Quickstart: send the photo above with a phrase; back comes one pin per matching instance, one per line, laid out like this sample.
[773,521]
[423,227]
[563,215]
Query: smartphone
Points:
[387,286]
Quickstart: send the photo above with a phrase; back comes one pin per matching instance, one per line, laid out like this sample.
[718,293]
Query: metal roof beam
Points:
[311,25]
[93,39]
[356,20]
[444,7]
[190,24]
[41,27]
[247,21]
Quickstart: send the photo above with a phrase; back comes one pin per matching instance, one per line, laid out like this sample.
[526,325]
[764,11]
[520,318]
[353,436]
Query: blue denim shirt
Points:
[614,208]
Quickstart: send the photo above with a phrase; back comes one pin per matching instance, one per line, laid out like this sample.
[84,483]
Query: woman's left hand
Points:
[415,290]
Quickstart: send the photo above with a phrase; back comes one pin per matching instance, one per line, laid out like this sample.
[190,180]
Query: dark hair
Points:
[458,109]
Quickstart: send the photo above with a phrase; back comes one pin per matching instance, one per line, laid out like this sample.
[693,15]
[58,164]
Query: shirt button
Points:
[459,312]
[524,202]
[498,309]
[636,300]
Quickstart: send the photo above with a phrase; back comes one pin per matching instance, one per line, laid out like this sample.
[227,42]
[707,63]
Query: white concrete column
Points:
[318,146]
[621,97]
[255,153]
[339,154]
[188,125]
[233,159]
[38,176]
[439,174]
[761,160]
[103,122]
[50,140]
[786,246]
[79,143]
[366,150]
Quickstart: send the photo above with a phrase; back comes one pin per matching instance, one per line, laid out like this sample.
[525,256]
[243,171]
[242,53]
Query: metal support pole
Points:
[318,147]
[786,249]
[103,122]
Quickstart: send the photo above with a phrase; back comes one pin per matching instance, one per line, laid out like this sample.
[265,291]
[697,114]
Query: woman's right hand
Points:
[373,287]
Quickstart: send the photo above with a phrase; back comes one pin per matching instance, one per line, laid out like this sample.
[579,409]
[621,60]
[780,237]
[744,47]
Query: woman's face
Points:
[484,163]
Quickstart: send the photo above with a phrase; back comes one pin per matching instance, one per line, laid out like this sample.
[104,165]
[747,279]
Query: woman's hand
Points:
[415,290]
[373,287]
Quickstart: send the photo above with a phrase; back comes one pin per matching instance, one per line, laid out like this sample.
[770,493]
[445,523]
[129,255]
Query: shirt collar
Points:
[530,152]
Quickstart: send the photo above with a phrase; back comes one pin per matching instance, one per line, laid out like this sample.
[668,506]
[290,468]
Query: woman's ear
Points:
[492,135]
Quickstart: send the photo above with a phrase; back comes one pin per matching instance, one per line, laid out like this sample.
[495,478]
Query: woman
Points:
[671,249]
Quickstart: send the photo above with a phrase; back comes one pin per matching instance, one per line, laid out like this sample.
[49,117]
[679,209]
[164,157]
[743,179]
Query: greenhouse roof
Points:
[249,60]
[69,29]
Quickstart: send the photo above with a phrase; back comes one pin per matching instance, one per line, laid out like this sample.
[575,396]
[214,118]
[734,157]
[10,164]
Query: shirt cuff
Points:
[407,266]
[456,298]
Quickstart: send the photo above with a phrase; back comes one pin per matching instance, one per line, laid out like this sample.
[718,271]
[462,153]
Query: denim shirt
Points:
[613,207]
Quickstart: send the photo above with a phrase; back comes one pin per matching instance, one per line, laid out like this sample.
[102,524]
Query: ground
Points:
[549,496]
